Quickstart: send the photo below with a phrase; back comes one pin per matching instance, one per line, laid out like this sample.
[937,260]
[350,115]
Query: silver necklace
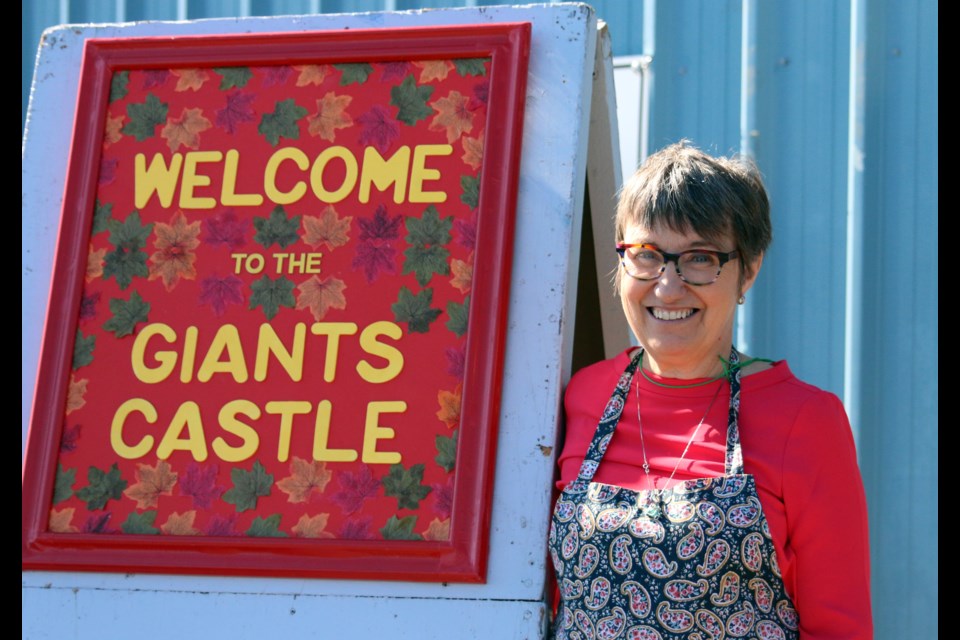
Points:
[653,505]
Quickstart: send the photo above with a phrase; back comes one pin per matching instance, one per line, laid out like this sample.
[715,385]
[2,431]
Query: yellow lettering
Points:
[187,416]
[286,411]
[157,178]
[270,176]
[382,173]
[121,448]
[189,354]
[228,193]
[227,339]
[321,435]
[349,180]
[393,356]
[191,180]
[270,343]
[373,432]
[247,434]
[166,360]
[333,331]
[420,173]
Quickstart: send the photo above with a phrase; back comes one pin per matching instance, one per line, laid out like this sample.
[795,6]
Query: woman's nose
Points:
[670,284]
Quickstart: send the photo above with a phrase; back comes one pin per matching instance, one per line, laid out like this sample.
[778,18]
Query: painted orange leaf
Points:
[305,478]
[312,527]
[190,79]
[311,74]
[111,132]
[152,482]
[95,263]
[60,521]
[473,150]
[462,274]
[331,115]
[434,69]
[438,530]
[328,228]
[321,295]
[75,393]
[452,115]
[174,256]
[449,412]
[185,130]
[180,524]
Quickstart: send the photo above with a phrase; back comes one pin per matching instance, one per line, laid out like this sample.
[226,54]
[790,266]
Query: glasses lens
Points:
[642,262]
[699,267]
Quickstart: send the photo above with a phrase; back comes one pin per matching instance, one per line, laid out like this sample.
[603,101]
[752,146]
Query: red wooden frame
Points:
[463,558]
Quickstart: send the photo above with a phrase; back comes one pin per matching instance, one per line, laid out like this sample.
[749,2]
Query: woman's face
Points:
[683,327]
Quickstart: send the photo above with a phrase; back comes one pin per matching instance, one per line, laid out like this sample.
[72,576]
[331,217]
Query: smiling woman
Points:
[718,494]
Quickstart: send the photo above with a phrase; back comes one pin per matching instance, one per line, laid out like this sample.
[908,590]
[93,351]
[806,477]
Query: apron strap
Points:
[733,465]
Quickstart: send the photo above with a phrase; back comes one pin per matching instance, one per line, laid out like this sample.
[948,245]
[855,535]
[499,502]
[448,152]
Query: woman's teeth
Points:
[671,314]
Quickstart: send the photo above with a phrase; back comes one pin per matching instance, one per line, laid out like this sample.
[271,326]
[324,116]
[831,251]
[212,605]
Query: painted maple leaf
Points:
[272,294]
[415,309]
[481,91]
[185,130]
[328,228]
[111,130]
[462,275]
[355,488]
[218,292]
[393,71]
[453,116]
[378,128]
[154,77]
[449,412]
[95,261]
[443,497]
[373,257]
[221,525]
[321,295]
[433,69]
[69,438]
[282,122]
[190,79]
[358,529]
[239,109]
[61,520]
[226,229]
[455,361]
[438,530]
[75,392]
[311,74]
[152,482]
[126,314]
[406,485]
[400,529]
[175,244]
[305,478]
[180,524]
[380,226]
[118,85]
[446,451]
[200,483]
[97,523]
[331,115]
[312,526]
[466,232]
[473,150]
[108,170]
[88,306]
[275,75]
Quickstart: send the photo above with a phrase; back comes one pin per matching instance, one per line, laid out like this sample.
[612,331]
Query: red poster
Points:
[276,328]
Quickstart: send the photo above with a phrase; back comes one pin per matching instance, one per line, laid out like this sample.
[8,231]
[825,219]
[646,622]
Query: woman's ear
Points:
[749,272]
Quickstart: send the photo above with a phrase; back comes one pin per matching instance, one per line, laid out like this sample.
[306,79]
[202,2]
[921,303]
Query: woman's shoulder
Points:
[599,375]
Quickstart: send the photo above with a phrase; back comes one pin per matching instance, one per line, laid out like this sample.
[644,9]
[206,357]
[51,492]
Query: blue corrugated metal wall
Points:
[841,113]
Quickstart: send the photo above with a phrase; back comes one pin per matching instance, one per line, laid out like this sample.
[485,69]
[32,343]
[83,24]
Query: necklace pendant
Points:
[651,506]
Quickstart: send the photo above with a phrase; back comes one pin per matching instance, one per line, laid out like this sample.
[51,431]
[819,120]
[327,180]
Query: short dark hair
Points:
[683,188]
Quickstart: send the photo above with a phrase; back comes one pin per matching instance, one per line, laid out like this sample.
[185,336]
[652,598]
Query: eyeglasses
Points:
[696,266]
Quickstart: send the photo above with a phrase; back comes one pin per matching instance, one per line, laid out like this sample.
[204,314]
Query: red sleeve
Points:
[826,514]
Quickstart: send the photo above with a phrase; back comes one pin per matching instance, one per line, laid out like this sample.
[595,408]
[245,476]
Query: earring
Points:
[741,299]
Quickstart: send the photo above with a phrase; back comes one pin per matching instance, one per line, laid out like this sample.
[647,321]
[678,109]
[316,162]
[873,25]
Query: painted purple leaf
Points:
[108,170]
[275,75]
[200,483]
[219,292]
[381,226]
[455,360]
[97,523]
[355,488]
[237,111]
[395,71]
[466,232]
[154,77]
[226,229]
[480,93]
[220,525]
[356,530]
[373,257]
[379,128]
[443,498]
[68,441]
[88,306]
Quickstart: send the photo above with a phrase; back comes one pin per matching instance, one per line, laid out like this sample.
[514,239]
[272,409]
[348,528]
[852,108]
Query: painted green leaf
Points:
[470,66]
[415,309]
[131,233]
[125,265]
[405,485]
[458,316]
[118,85]
[471,190]
[400,529]
[141,523]
[83,350]
[282,122]
[103,486]
[430,228]
[272,294]
[411,101]
[446,451]
[101,217]
[248,486]
[144,117]
[354,72]
[231,77]
[126,314]
[277,229]
[426,261]
[63,485]
[268,527]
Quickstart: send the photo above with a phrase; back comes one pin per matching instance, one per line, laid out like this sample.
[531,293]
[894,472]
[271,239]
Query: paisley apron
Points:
[693,561]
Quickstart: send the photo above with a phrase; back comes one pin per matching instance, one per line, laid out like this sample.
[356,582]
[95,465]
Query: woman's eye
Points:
[647,255]
[700,259]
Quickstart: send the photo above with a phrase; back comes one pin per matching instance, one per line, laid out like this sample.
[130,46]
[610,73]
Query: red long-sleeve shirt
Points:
[796,443]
